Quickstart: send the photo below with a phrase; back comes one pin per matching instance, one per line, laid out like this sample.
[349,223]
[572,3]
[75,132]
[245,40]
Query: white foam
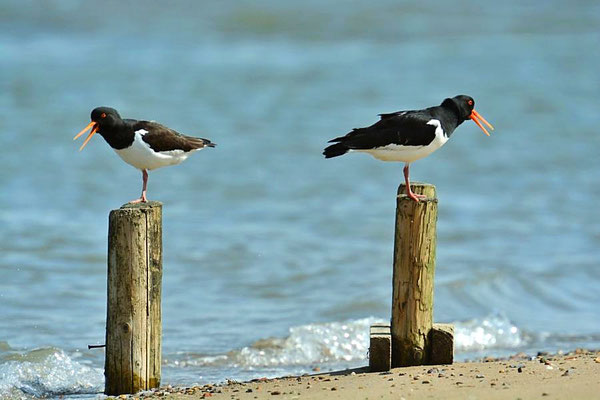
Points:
[46,372]
[331,342]
[493,332]
[348,343]
[310,344]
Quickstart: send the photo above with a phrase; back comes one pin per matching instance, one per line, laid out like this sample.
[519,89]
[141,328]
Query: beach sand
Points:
[572,376]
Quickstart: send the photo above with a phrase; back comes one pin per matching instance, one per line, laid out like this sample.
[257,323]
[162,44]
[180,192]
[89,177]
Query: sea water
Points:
[276,261]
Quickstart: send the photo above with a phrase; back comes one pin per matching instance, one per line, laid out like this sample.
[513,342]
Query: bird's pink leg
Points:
[143,198]
[409,193]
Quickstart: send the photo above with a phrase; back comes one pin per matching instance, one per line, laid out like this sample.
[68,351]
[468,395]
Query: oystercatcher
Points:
[409,135]
[146,145]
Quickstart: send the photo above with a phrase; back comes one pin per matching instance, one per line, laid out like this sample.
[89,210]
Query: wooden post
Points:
[441,344]
[415,339]
[380,348]
[133,323]
[414,267]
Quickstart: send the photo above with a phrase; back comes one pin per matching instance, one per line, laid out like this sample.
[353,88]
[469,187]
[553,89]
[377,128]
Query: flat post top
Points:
[141,206]
[426,189]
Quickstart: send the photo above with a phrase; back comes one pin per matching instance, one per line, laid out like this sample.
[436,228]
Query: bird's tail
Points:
[199,143]
[335,150]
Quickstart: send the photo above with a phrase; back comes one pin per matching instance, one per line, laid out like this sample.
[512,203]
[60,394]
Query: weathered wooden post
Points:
[133,323]
[413,338]
[380,348]
[414,267]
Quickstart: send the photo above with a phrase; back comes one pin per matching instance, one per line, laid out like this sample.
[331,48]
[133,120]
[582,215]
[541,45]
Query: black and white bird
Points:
[146,145]
[408,136]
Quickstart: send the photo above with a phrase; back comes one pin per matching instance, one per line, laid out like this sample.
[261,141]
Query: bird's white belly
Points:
[407,154]
[141,156]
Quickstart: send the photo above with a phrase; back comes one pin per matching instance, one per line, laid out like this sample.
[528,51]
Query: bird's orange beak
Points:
[92,125]
[477,118]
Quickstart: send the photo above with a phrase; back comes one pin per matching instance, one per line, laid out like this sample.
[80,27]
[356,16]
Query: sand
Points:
[572,376]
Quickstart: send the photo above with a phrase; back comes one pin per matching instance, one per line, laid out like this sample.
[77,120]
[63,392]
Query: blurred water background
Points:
[275,259]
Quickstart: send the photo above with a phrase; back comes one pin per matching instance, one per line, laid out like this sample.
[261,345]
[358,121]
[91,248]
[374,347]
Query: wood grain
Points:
[414,268]
[133,323]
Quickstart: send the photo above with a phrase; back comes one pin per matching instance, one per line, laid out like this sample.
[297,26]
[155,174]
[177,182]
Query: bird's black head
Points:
[464,106]
[103,118]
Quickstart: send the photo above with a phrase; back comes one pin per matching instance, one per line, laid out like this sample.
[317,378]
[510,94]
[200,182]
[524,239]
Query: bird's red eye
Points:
[103,115]
[470,102]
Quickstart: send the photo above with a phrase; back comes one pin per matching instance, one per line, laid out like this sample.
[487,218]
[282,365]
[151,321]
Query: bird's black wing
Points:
[394,114]
[406,128]
[161,138]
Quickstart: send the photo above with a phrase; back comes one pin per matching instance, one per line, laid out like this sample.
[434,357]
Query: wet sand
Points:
[575,375]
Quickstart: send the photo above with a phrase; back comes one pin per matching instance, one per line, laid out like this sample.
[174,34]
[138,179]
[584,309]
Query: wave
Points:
[347,342]
[45,372]
[51,372]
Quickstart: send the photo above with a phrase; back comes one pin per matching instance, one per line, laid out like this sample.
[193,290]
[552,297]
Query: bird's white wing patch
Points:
[142,132]
[439,131]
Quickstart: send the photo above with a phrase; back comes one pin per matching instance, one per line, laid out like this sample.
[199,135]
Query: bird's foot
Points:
[415,197]
[142,199]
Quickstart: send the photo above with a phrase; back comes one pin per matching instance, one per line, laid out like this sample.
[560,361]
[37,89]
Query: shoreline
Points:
[574,375]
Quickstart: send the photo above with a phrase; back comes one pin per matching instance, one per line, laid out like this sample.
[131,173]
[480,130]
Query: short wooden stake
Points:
[133,323]
[414,267]
[441,344]
[380,348]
